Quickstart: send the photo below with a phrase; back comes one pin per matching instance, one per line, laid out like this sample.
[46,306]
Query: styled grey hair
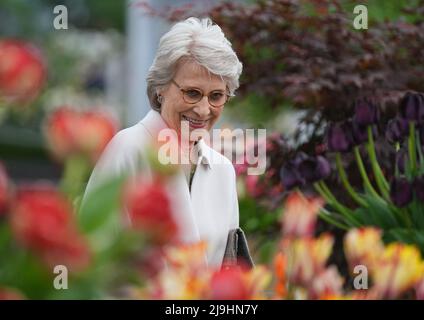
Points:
[197,39]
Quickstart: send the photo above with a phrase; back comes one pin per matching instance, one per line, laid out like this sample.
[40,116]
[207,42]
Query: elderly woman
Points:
[193,74]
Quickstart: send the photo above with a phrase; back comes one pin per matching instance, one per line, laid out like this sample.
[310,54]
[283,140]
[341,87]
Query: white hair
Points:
[197,39]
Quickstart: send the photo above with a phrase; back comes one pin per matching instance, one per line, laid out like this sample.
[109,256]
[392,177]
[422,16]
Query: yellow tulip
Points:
[399,269]
[363,246]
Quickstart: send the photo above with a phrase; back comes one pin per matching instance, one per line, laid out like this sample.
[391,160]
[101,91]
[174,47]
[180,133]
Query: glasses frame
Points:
[184,91]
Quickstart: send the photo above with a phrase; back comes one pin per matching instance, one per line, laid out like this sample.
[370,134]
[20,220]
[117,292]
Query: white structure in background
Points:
[143,34]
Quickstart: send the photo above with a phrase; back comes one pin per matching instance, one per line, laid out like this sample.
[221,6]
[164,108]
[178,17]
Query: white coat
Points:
[207,213]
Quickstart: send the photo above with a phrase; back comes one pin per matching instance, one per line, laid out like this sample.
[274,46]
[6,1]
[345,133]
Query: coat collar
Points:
[154,123]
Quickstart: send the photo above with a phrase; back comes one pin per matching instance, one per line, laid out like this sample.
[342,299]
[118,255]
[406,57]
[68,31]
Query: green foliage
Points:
[100,204]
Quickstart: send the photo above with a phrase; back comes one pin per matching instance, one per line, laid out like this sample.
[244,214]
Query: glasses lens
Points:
[217,99]
[192,95]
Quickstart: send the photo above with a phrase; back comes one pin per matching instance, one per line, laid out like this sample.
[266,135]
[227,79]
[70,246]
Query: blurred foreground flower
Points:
[42,220]
[239,284]
[10,294]
[300,215]
[363,246]
[399,269]
[420,290]
[77,138]
[327,285]
[150,211]
[186,276]
[306,257]
[22,71]
[79,133]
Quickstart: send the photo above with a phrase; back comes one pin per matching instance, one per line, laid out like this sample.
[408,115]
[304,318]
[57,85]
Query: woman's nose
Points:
[202,108]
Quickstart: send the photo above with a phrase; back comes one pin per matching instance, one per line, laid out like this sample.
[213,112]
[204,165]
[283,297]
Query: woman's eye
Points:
[193,93]
[216,96]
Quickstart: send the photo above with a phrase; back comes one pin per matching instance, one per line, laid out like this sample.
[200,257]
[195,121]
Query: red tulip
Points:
[22,71]
[149,209]
[3,189]
[70,132]
[229,284]
[253,186]
[42,221]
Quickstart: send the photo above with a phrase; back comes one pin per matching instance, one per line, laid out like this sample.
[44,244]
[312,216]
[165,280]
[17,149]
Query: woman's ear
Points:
[159,96]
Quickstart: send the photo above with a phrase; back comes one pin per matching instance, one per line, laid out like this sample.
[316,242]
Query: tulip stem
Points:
[382,183]
[411,148]
[407,219]
[346,183]
[420,152]
[74,175]
[332,201]
[329,217]
[363,173]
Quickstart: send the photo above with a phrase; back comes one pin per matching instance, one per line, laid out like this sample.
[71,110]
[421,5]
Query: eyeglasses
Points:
[216,98]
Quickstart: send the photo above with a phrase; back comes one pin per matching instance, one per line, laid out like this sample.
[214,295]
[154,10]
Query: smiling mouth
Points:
[194,123]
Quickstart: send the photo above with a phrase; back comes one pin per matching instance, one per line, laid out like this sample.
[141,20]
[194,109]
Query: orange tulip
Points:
[306,257]
[280,266]
[300,215]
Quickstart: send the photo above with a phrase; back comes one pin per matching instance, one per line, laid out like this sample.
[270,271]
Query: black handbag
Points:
[237,251]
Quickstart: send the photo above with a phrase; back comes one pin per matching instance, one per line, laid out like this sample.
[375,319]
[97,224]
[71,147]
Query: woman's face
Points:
[200,115]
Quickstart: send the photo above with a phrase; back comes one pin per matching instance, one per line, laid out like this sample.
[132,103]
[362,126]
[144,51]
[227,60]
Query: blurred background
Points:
[101,60]
[304,65]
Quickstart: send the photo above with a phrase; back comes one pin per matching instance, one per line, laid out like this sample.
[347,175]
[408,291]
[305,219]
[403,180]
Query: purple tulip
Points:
[412,107]
[400,192]
[359,133]
[339,137]
[298,158]
[314,169]
[419,187]
[290,177]
[397,129]
[401,158]
[366,112]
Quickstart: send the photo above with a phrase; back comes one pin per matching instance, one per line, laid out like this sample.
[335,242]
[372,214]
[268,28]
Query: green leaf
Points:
[417,214]
[407,236]
[378,213]
[100,204]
